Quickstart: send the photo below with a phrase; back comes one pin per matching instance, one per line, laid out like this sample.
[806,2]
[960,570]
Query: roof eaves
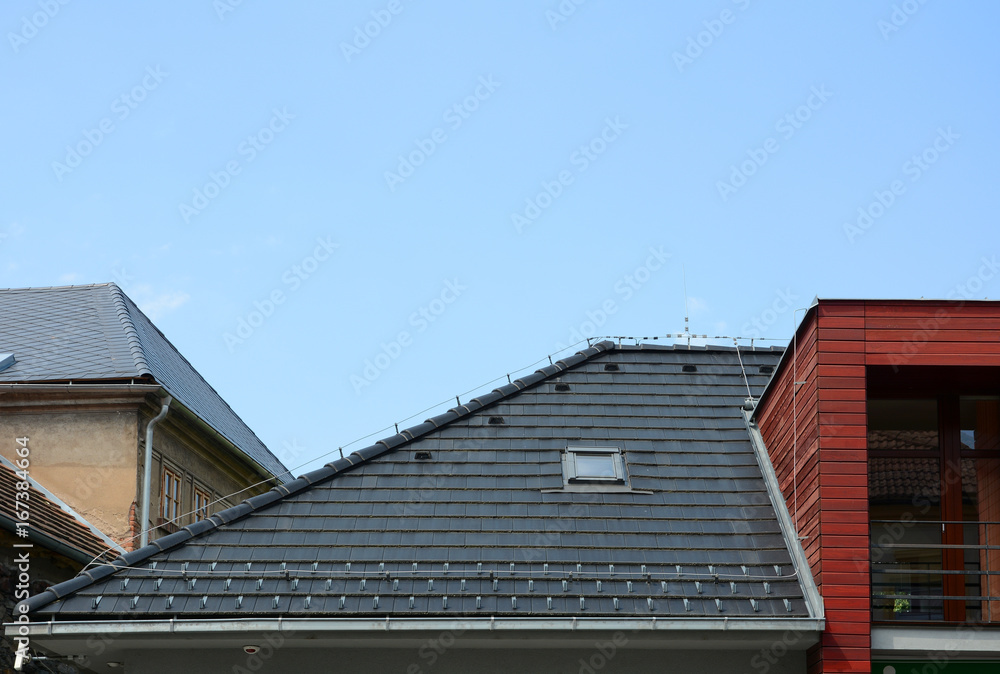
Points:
[301,483]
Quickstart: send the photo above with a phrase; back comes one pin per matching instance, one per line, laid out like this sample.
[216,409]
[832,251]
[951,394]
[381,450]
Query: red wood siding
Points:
[837,340]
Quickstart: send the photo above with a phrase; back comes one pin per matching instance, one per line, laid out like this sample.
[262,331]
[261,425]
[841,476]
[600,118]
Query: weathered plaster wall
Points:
[86,458]
[199,461]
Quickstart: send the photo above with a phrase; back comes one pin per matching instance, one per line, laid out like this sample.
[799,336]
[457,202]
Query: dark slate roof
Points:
[473,530]
[95,332]
[50,522]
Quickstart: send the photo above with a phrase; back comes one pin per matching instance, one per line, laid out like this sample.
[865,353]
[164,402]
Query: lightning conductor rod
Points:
[687,330]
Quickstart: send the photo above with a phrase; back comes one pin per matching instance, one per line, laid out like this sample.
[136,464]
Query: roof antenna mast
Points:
[687,330]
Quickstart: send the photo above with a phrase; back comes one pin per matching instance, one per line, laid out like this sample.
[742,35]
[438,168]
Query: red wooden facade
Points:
[820,451]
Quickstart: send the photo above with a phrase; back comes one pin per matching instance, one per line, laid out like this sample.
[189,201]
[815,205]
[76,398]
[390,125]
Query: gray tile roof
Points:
[473,530]
[95,332]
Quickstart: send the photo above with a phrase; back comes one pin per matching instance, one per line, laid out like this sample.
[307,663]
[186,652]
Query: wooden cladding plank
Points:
[985,342]
[846,516]
[840,371]
[923,359]
[844,529]
[854,542]
[841,334]
[853,418]
[840,504]
[829,308]
[845,640]
[841,358]
[842,394]
[843,382]
[937,310]
[931,323]
[829,442]
[834,321]
[842,346]
[851,492]
[849,566]
[843,407]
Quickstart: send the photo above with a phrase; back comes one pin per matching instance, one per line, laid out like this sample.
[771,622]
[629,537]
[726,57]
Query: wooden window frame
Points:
[200,512]
[166,498]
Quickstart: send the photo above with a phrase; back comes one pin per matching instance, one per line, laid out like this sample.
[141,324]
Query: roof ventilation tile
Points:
[689,368]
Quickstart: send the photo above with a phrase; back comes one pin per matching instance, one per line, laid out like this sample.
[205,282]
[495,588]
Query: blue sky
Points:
[346,213]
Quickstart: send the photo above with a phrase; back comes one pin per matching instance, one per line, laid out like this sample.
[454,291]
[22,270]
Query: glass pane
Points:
[981,512]
[980,419]
[902,424]
[906,558]
[595,465]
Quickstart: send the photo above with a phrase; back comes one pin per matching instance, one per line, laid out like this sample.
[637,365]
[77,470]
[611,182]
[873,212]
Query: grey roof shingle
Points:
[475,529]
[95,332]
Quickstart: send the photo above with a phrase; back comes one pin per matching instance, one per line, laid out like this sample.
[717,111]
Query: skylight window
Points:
[6,360]
[600,465]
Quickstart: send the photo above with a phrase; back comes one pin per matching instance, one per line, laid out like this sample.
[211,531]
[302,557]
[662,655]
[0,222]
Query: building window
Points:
[201,501]
[934,506]
[599,465]
[170,495]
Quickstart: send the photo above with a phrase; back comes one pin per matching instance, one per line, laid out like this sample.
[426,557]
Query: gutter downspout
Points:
[147,470]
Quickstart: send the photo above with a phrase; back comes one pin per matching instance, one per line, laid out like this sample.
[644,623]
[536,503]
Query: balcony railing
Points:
[915,578]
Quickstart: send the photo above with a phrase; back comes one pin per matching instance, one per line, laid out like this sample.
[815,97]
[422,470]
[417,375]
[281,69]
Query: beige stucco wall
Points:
[86,458]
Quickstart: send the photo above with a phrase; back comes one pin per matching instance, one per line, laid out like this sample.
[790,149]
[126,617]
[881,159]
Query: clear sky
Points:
[345,213]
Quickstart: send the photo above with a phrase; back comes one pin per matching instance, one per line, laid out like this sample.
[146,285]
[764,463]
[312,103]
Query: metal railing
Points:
[912,572]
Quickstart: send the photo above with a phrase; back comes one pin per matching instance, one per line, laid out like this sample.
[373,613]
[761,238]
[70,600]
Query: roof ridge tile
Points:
[131,334]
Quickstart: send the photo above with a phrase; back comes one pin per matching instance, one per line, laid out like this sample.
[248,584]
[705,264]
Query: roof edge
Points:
[131,334]
[327,472]
[814,600]
[486,624]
